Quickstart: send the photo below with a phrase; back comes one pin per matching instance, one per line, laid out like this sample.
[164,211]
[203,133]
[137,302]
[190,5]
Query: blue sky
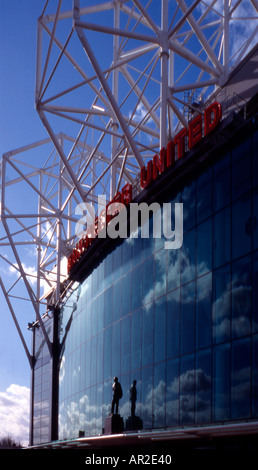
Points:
[19,125]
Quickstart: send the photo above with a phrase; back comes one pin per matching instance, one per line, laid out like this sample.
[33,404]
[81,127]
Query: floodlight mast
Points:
[116,107]
[195,34]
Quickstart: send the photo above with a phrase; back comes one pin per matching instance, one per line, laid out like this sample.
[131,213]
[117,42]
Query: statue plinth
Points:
[114,424]
[133,423]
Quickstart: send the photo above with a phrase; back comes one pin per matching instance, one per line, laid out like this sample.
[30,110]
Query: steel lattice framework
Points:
[115,80]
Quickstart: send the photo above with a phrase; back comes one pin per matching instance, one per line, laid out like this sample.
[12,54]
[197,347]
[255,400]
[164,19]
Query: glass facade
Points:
[42,389]
[183,323]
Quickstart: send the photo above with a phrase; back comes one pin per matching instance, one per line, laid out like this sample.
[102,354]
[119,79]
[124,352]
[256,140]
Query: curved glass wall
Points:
[42,389]
[183,323]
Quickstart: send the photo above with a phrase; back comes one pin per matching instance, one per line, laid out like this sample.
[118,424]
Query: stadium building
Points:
[183,321]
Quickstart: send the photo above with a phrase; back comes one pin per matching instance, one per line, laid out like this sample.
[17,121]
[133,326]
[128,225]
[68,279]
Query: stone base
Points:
[133,423]
[114,424]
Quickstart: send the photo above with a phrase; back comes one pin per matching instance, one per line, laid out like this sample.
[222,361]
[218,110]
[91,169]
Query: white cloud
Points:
[14,413]
[243,24]
[29,271]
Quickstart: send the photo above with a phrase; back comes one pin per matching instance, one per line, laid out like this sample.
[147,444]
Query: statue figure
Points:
[133,397]
[117,395]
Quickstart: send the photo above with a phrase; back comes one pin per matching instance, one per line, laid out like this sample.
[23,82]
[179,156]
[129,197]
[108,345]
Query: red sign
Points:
[155,167]
[124,197]
[192,136]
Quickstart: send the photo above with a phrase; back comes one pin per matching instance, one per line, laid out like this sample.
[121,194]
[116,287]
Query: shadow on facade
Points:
[114,423]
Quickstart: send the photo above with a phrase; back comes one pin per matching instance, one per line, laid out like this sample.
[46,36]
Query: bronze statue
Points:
[117,395]
[133,397]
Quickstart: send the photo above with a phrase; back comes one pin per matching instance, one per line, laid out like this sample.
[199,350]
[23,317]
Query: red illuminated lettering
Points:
[212,116]
[192,136]
[170,153]
[124,197]
[102,220]
[179,140]
[126,194]
[146,179]
[158,163]
[195,131]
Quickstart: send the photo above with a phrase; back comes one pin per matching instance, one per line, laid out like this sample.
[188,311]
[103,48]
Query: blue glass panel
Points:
[222,183]
[172,392]
[93,370]
[99,398]
[187,379]
[116,349]
[108,306]
[241,227]
[255,219]
[147,398]
[86,403]
[160,330]
[203,387]
[92,422]
[101,312]
[173,323]
[221,306]
[204,247]
[203,311]
[137,287]
[118,261]
[221,382]
[255,293]
[117,300]
[108,269]
[101,270]
[160,273]
[188,257]
[124,403]
[95,282]
[83,327]
[159,240]
[126,294]
[148,280]
[189,201]
[159,394]
[136,340]
[127,255]
[94,317]
[204,195]
[136,249]
[147,334]
[222,237]
[173,269]
[241,297]
[241,379]
[87,365]
[88,283]
[135,375]
[241,169]
[255,158]
[148,244]
[107,352]
[188,318]
[100,357]
[126,345]
[107,397]
[88,322]
[81,407]
[255,377]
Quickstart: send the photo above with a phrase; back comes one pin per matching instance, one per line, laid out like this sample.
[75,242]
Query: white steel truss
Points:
[115,81]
